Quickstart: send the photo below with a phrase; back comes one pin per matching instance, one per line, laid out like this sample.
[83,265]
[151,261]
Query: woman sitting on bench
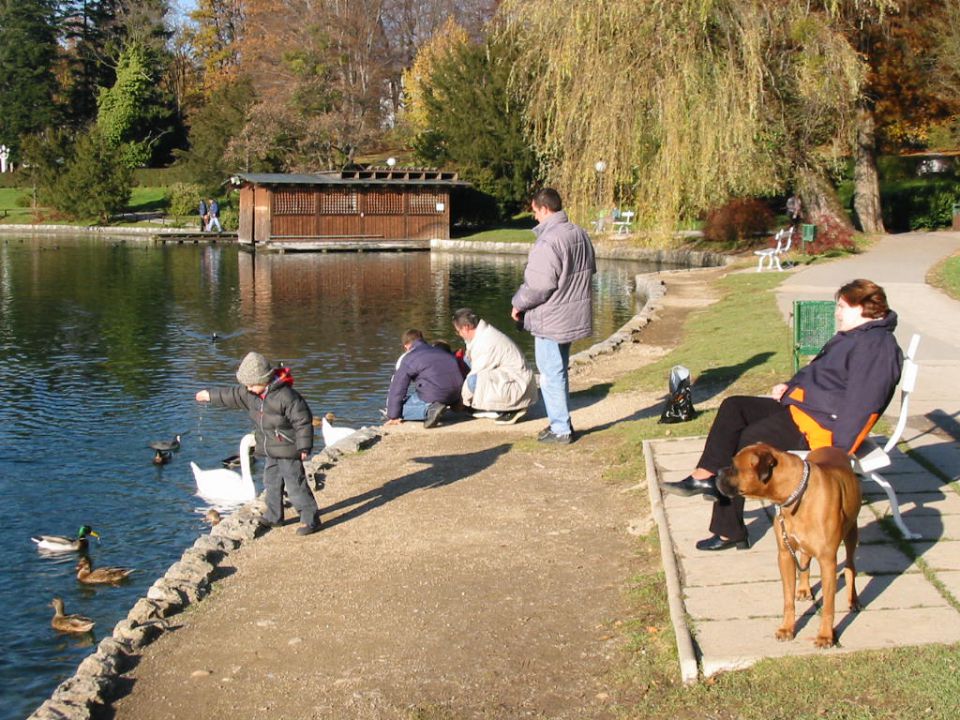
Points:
[833,401]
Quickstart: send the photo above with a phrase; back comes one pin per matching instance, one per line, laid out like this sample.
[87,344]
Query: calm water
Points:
[102,347]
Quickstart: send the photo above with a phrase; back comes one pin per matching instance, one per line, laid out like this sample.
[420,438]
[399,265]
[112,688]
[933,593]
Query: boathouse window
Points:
[382,202]
[294,202]
[426,204]
[338,202]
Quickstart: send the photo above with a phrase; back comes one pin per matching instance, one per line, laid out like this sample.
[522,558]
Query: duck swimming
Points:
[166,446]
[101,576]
[59,543]
[162,457]
[76,624]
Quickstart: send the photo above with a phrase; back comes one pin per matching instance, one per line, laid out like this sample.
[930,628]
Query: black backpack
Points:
[679,405]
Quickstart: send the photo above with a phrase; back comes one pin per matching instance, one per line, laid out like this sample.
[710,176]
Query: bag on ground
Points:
[679,405]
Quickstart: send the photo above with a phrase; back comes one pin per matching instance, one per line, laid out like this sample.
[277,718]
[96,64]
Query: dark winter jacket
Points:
[282,419]
[837,398]
[434,373]
[556,295]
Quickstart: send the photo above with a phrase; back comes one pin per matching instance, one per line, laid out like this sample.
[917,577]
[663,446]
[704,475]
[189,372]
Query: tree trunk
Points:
[866,182]
[819,198]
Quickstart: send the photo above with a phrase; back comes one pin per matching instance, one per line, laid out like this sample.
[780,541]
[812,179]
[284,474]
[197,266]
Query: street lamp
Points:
[391,161]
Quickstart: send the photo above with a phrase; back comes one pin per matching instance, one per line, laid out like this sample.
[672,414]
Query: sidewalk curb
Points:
[689,669]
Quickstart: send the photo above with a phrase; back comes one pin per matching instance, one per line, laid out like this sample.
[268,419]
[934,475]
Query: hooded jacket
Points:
[556,295]
[282,419]
[433,371]
[837,398]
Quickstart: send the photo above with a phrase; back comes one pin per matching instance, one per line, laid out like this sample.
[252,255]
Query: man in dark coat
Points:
[435,377]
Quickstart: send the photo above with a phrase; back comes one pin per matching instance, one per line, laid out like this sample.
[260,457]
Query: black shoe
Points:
[691,486]
[552,437]
[509,417]
[270,524]
[434,411]
[715,542]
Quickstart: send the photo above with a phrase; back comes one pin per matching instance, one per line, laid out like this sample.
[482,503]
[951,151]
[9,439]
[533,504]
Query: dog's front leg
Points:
[828,583]
[804,592]
[788,578]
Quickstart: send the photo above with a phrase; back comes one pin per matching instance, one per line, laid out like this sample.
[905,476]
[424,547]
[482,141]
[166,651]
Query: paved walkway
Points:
[726,605]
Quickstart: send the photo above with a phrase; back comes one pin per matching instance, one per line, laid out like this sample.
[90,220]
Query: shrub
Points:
[229,219]
[183,198]
[739,220]
[919,203]
[95,183]
[831,237]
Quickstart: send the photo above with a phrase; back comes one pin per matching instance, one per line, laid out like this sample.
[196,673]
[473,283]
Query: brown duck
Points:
[76,624]
[101,576]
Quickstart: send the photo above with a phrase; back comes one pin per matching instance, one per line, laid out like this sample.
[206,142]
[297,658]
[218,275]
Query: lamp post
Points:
[391,161]
[600,167]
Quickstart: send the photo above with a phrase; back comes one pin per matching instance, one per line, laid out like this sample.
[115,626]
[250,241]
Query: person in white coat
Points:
[499,380]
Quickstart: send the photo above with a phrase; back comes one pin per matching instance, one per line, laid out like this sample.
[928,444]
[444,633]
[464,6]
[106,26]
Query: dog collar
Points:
[795,495]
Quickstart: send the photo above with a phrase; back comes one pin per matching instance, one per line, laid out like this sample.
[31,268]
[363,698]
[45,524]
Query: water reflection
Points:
[104,344]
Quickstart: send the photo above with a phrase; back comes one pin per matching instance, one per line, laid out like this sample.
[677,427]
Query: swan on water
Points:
[227,487]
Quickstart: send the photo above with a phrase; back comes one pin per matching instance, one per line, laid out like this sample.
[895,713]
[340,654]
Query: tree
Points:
[95,182]
[417,77]
[473,122]
[745,97]
[28,49]
[132,115]
[90,41]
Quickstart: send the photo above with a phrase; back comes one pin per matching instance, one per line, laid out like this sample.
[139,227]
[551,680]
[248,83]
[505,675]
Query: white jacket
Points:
[504,382]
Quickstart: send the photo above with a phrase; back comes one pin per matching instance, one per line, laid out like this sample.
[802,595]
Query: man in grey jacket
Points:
[555,303]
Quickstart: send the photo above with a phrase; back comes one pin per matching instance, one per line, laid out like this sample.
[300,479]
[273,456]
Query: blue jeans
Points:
[552,360]
[414,408]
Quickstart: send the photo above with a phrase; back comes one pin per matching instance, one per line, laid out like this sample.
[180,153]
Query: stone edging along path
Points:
[98,678]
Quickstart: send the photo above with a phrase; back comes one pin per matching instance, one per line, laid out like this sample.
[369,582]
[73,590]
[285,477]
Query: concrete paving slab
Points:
[915,481]
[941,555]
[951,581]
[919,504]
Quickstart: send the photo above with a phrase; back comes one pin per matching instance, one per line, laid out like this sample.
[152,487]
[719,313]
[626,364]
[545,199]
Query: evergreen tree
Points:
[90,40]
[28,50]
[95,182]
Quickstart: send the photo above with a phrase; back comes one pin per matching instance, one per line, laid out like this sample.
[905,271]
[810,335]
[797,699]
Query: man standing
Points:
[213,209]
[555,303]
[499,379]
[435,377]
[204,217]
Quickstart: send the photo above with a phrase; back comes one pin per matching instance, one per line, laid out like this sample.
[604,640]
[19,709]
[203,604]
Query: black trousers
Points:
[743,420]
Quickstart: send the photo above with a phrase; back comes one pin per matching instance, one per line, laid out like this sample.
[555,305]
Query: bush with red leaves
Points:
[831,235]
[740,221]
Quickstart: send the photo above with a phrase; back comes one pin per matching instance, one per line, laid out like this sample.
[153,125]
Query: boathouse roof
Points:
[356,176]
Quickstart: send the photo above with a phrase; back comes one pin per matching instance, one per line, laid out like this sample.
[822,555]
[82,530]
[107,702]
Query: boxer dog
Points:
[817,505]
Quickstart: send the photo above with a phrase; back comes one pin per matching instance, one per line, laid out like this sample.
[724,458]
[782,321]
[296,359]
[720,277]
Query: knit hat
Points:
[254,370]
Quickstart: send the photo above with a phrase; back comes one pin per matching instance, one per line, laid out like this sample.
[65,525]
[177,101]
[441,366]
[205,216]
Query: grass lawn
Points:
[899,683]
[946,276]
[10,211]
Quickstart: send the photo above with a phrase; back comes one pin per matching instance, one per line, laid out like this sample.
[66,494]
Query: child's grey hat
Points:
[254,370]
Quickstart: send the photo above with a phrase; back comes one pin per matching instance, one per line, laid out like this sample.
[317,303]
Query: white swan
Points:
[331,434]
[227,487]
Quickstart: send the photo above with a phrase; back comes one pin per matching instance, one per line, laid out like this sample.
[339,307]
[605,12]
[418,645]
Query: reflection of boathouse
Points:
[359,208]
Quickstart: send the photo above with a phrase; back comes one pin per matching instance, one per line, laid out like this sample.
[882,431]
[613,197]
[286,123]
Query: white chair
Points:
[784,238]
[871,457]
[623,226]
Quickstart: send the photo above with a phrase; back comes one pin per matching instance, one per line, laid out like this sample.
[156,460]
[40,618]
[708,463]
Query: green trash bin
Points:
[813,325]
[808,234]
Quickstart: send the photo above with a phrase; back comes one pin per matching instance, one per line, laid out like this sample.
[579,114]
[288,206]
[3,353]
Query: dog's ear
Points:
[766,462]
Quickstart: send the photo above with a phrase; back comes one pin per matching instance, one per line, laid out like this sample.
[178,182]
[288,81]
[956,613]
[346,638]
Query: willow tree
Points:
[688,102]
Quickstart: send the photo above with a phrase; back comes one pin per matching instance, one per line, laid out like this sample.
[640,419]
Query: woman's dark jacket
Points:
[282,418]
[837,398]
[434,373]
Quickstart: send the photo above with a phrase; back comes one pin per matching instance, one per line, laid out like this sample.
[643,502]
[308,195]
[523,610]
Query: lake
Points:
[104,344]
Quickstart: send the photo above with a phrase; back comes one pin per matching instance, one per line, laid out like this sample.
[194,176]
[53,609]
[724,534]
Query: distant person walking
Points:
[203,215]
[555,304]
[213,213]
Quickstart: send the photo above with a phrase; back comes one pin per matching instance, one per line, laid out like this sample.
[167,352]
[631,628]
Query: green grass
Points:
[946,276]
[510,235]
[742,345]
[10,211]
[147,199]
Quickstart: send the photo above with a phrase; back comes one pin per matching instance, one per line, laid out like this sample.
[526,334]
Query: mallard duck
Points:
[101,576]
[162,457]
[331,434]
[212,516]
[165,445]
[59,543]
[227,487]
[76,624]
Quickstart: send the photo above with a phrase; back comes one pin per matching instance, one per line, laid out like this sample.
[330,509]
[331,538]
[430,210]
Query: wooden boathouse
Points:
[365,208]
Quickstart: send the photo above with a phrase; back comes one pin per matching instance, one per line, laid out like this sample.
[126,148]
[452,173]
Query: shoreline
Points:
[98,680]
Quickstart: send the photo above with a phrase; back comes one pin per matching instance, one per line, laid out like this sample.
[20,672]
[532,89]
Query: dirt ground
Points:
[462,572]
